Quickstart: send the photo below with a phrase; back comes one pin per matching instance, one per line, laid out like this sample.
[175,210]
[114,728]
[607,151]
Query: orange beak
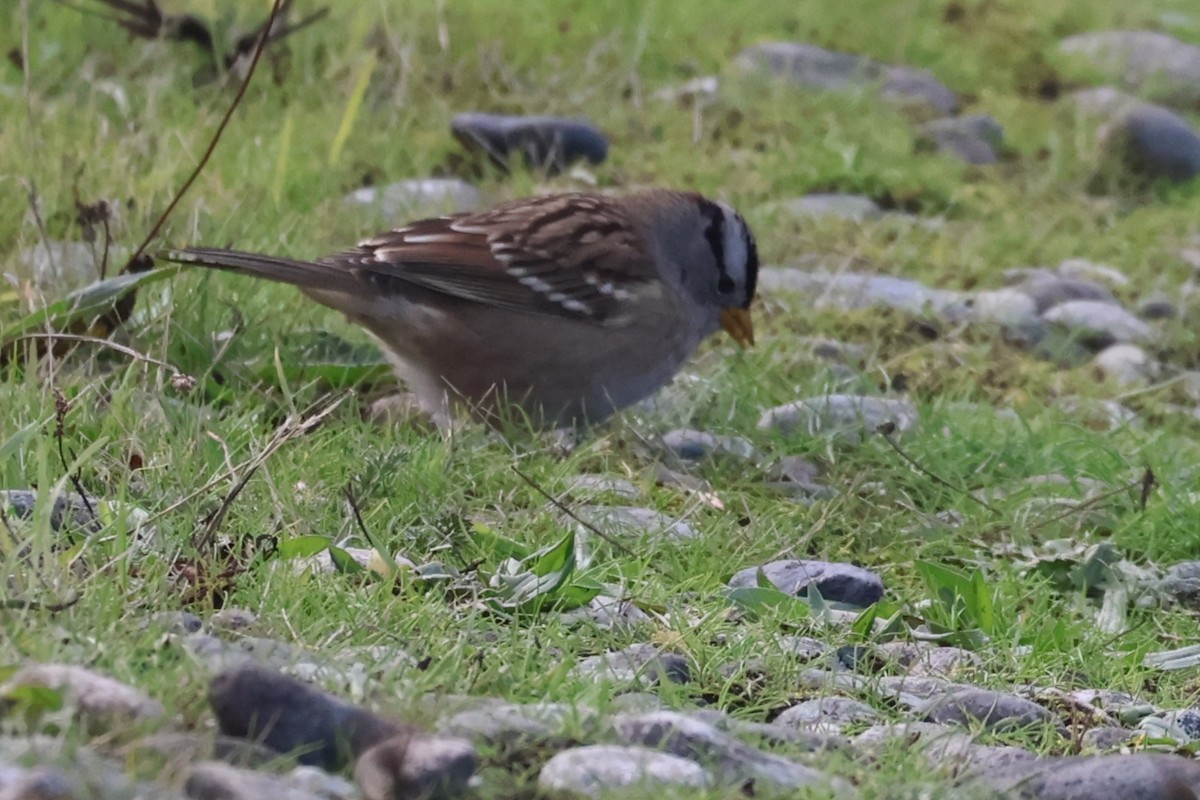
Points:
[737,323]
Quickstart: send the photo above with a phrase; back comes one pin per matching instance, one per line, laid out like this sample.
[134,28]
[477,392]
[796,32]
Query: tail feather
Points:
[304,274]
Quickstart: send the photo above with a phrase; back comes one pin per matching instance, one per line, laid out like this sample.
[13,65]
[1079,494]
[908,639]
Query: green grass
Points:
[275,184]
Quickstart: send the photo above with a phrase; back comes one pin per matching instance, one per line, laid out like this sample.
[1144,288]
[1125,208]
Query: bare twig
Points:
[358,519]
[561,506]
[1148,484]
[289,429]
[111,345]
[31,193]
[886,431]
[136,262]
[35,605]
[1086,504]
[61,407]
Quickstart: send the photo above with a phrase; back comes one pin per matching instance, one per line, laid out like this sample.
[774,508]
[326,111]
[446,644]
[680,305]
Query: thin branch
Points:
[111,345]
[136,258]
[61,407]
[1086,504]
[289,429]
[34,605]
[554,501]
[885,431]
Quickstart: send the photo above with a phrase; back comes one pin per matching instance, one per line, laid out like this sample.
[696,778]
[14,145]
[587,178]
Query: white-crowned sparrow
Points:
[566,307]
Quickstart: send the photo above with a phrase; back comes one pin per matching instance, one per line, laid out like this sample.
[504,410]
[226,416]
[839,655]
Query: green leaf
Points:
[755,601]
[87,303]
[343,562]
[530,584]
[762,581]
[579,592]
[497,545]
[303,546]
[31,699]
[556,557]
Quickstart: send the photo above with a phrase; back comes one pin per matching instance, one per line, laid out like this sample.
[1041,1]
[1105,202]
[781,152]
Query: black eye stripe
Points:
[751,262]
[714,234]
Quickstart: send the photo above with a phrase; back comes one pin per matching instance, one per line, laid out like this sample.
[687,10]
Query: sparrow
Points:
[563,308]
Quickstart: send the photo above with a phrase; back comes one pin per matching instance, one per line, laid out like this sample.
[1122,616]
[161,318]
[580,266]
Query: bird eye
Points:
[725,285]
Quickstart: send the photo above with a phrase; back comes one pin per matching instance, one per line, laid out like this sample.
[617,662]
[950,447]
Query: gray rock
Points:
[911,730]
[634,522]
[186,747]
[1101,102]
[841,680]
[416,766]
[1153,142]
[841,583]
[798,476]
[215,780]
[848,291]
[217,654]
[972,139]
[803,648]
[1124,707]
[1097,411]
[233,620]
[606,613]
[1052,291]
[1157,307]
[1099,324]
[40,767]
[514,725]
[592,485]
[1141,776]
[40,783]
[827,714]
[1155,65]
[605,770]
[102,703]
[694,445]
[546,143]
[1105,738]
[848,417]
[1008,307]
[974,757]
[852,207]
[1125,364]
[1082,269]
[293,717]
[996,711]
[924,660]
[71,513]
[1183,725]
[1182,582]
[917,91]
[638,664]
[914,692]
[815,67]
[636,703]
[404,200]
[732,762]
[808,65]
[941,746]
[173,622]
[322,784]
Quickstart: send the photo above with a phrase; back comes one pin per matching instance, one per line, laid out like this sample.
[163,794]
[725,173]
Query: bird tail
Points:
[304,274]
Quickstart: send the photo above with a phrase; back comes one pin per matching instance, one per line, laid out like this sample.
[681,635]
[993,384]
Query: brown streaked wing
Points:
[567,255]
